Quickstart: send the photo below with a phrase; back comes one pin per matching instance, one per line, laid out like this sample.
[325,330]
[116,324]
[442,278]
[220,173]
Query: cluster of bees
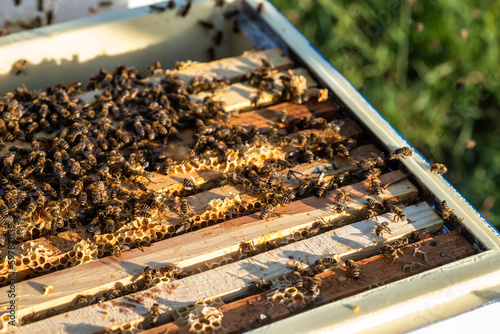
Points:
[46,18]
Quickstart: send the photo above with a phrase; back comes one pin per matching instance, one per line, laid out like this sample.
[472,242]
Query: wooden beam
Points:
[197,247]
[232,68]
[228,281]
[64,242]
[240,96]
[258,310]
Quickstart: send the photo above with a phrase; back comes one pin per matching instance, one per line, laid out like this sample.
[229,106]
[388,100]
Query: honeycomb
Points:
[206,320]
[185,311]
[291,297]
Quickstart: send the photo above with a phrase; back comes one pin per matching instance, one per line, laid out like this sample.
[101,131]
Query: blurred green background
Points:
[431,68]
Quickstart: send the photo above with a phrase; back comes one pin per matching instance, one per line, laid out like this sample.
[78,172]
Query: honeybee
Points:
[342,151]
[353,269]
[438,169]
[374,161]
[219,35]
[382,228]
[261,285]
[390,251]
[398,214]
[113,294]
[308,156]
[260,8]
[185,10]
[247,248]
[270,245]
[266,211]
[342,195]
[148,273]
[323,189]
[20,66]
[313,286]
[375,185]
[143,243]
[189,184]
[402,152]
[374,204]
[184,207]
[297,280]
[339,206]
[154,312]
[206,24]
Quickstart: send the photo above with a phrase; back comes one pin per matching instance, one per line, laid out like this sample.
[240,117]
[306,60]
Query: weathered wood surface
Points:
[193,249]
[231,280]
[64,241]
[232,68]
[257,310]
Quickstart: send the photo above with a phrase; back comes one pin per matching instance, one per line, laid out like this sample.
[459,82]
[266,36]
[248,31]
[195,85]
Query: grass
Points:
[431,69]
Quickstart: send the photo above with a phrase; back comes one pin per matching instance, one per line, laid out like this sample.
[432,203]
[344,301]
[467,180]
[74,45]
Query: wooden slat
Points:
[232,68]
[239,96]
[246,313]
[261,118]
[229,281]
[197,247]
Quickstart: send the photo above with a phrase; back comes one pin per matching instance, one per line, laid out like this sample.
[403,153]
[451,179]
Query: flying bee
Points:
[185,10]
[353,269]
[382,228]
[206,24]
[402,152]
[266,211]
[438,169]
[154,312]
[219,35]
[247,248]
[375,185]
[342,151]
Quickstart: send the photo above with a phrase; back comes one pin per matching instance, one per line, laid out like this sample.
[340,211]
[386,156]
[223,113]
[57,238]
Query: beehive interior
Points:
[162,180]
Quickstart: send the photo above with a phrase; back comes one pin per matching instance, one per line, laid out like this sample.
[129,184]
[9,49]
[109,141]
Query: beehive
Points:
[256,179]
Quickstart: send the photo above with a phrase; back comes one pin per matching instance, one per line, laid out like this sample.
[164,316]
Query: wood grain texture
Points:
[239,96]
[232,68]
[259,119]
[196,247]
[257,310]
[231,280]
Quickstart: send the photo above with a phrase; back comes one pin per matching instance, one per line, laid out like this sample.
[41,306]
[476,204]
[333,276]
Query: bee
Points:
[283,114]
[189,184]
[308,156]
[20,66]
[342,151]
[154,312]
[375,185]
[48,190]
[266,211]
[218,38]
[400,243]
[297,280]
[339,206]
[274,178]
[210,54]
[342,195]
[82,199]
[148,276]
[261,285]
[302,141]
[231,13]
[206,24]
[390,251]
[247,248]
[382,228]
[398,214]
[29,210]
[402,152]
[374,204]
[260,8]
[184,207]
[113,294]
[117,250]
[185,10]
[313,286]
[171,271]
[270,245]
[323,189]
[320,264]
[353,269]
[109,226]
[156,9]
[81,301]
[374,161]
[446,212]
[143,243]
[438,169]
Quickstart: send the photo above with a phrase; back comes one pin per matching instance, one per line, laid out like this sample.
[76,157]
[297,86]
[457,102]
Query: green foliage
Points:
[431,69]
